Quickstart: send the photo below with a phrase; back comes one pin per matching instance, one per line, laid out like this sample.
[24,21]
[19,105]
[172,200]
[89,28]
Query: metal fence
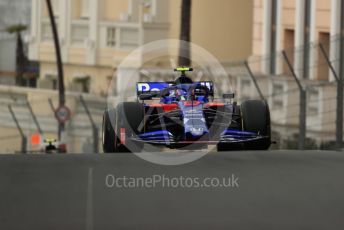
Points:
[304,90]
[26,112]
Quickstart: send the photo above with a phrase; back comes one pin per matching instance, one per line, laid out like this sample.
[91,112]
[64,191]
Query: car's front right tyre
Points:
[108,131]
[256,118]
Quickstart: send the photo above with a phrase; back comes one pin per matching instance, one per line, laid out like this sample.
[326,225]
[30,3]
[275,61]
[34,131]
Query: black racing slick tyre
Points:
[235,124]
[129,119]
[255,115]
[108,131]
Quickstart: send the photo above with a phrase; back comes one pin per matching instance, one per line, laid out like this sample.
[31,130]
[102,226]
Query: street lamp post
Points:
[61,88]
[340,83]
[185,34]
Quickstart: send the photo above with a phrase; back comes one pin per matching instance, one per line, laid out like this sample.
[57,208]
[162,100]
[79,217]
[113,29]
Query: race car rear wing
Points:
[155,88]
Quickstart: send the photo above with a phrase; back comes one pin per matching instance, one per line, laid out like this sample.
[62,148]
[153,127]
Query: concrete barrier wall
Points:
[78,128]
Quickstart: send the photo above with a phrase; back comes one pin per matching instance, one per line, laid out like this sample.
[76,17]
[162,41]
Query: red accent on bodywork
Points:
[191,103]
[156,105]
[63,148]
[170,107]
[165,107]
[214,104]
[122,136]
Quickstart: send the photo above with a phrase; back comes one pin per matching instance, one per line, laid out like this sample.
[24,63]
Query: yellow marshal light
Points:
[183,69]
[50,140]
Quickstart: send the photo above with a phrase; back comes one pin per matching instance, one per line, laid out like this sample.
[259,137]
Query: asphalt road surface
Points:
[269,190]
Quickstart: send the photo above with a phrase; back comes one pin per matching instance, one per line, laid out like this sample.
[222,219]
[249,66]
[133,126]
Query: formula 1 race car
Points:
[185,116]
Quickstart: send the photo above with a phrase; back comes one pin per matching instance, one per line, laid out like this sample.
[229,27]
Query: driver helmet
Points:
[181,94]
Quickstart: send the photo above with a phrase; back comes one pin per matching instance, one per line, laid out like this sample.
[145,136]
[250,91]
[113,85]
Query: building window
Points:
[277,99]
[129,38]
[111,37]
[81,83]
[51,81]
[323,69]
[56,7]
[148,13]
[85,8]
[79,32]
[313,102]
[289,46]
[46,33]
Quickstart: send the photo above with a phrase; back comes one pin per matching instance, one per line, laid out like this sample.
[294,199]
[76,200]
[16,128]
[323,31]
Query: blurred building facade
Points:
[11,13]
[289,24]
[96,35]
[297,27]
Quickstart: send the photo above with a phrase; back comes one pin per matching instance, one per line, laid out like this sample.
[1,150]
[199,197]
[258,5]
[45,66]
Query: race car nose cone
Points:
[197,131]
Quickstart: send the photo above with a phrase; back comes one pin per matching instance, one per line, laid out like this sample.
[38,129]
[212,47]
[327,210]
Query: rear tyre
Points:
[129,118]
[108,131]
[256,118]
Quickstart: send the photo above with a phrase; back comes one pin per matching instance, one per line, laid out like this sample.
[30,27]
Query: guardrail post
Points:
[35,120]
[24,138]
[254,80]
[303,104]
[340,100]
[95,130]
[340,112]
[95,139]
[53,109]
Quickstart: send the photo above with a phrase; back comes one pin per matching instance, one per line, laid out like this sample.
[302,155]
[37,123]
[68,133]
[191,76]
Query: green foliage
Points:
[293,143]
[328,145]
[84,82]
[16,28]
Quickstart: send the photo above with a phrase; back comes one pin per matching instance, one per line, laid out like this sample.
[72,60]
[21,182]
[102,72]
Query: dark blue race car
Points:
[184,114]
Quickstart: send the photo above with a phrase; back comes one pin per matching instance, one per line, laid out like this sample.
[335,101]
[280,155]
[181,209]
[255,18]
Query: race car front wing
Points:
[228,136]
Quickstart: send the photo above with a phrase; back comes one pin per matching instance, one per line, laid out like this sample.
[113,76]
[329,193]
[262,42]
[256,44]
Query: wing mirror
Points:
[228,96]
[144,97]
